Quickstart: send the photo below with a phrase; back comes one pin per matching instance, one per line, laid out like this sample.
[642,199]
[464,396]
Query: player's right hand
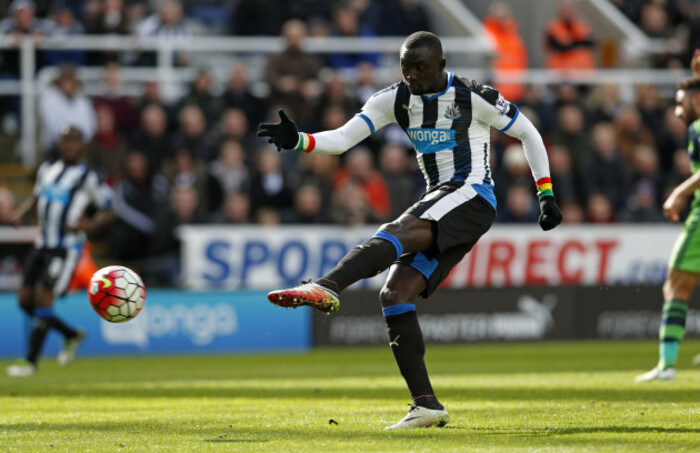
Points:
[673,206]
[283,134]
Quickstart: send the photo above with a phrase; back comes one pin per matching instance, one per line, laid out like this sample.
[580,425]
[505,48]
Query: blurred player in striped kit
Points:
[684,266]
[448,119]
[63,191]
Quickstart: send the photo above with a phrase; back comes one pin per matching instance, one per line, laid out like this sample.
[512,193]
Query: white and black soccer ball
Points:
[116,293]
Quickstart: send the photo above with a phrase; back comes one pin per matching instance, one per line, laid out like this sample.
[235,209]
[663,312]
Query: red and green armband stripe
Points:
[306,143]
[544,188]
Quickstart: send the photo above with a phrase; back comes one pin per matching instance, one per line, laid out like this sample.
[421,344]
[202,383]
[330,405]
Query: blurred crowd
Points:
[197,160]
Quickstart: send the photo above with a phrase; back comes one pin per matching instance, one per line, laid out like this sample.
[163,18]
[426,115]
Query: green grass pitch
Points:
[558,397]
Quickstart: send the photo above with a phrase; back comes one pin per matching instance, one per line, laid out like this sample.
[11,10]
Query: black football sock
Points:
[54,322]
[406,341]
[364,261]
[36,340]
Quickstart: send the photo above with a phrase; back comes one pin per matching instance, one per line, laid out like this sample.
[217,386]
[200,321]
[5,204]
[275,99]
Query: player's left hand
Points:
[550,215]
[283,134]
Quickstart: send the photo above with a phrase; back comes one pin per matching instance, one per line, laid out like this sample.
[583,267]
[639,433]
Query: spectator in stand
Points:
[599,209]
[651,109]
[267,216]
[269,186]
[393,163]
[562,173]
[645,167]
[604,170]
[320,170]
[7,205]
[654,22]
[239,96]
[107,150]
[403,17]
[350,206]
[21,21]
[104,17]
[169,23]
[138,199]
[309,10]
[514,169]
[258,17]
[124,111]
[673,135]
[569,40]
[229,168]
[572,212]
[63,105]
[370,14]
[359,169]
[630,131]
[520,205]
[571,133]
[642,205]
[66,25]
[235,209]
[511,53]
[293,74]
[308,206]
[346,25]
[234,125]
[200,96]
[152,137]
[183,210]
[603,103]
[184,170]
[152,96]
[542,105]
[193,134]
[335,93]
[366,82]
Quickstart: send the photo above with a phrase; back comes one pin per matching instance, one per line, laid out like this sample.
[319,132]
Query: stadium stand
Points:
[181,148]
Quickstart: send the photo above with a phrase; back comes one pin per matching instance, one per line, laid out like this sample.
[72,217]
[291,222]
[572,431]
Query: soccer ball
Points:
[116,293]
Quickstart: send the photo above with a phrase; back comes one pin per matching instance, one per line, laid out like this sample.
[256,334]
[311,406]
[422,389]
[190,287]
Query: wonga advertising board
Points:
[265,257]
[171,322]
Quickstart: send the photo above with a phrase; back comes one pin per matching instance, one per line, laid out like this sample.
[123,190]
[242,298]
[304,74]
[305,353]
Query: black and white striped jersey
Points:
[450,130]
[63,193]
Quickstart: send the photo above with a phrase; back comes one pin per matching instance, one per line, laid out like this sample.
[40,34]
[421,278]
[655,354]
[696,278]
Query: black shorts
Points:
[52,268]
[459,216]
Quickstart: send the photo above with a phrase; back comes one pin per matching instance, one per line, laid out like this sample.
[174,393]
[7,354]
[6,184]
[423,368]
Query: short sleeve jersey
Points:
[450,130]
[63,194]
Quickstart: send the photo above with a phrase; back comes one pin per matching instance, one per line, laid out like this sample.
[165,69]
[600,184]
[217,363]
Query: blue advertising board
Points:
[172,321]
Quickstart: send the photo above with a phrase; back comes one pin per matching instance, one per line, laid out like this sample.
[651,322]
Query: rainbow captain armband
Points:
[306,142]
[544,188]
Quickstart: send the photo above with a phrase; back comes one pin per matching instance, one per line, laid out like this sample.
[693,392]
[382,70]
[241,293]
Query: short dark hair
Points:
[689,85]
[423,39]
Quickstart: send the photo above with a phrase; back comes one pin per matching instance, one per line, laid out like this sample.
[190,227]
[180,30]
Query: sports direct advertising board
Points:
[507,256]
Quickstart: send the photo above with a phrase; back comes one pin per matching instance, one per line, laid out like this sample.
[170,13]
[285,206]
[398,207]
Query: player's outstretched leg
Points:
[406,341]
[365,260]
[308,293]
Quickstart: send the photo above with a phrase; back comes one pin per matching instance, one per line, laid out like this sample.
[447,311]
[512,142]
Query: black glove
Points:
[550,215]
[283,134]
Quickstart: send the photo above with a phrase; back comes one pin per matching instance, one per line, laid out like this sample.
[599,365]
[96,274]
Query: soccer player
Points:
[684,265]
[448,119]
[64,189]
